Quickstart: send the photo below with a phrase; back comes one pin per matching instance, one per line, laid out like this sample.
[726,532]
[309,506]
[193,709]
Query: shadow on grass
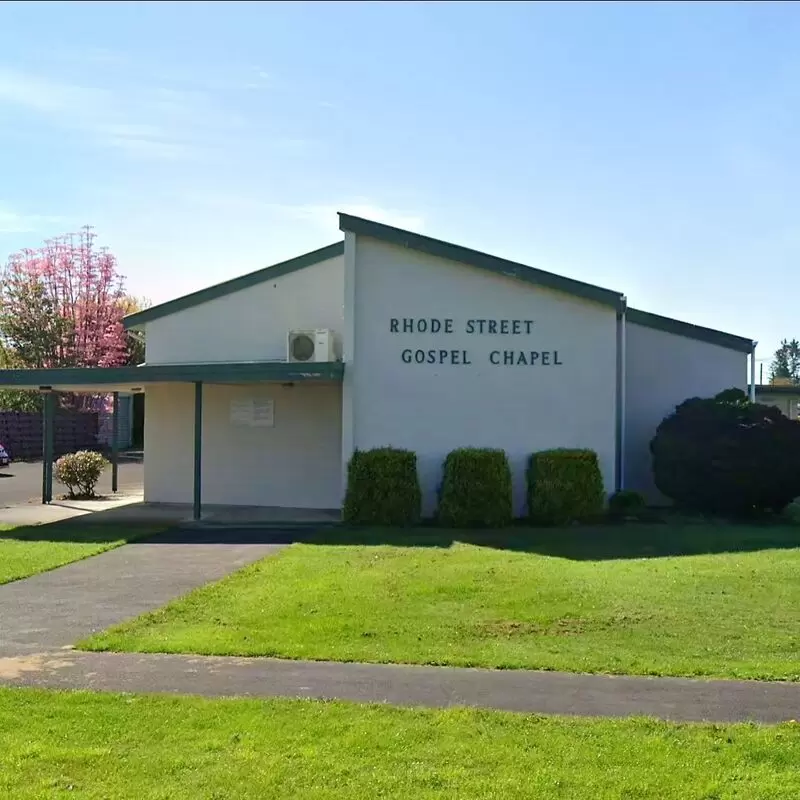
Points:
[599,542]
[587,542]
[70,531]
[577,543]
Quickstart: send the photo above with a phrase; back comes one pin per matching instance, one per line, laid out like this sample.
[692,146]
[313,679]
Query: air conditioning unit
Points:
[310,346]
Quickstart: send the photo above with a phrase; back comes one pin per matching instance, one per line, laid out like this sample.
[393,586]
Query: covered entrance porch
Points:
[213,429]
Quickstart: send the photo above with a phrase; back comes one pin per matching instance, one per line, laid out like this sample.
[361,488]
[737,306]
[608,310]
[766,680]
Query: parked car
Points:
[5,458]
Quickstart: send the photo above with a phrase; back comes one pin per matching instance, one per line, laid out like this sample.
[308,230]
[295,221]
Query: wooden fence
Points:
[21,434]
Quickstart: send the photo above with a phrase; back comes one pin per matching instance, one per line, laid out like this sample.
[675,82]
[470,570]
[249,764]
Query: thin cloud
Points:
[11,222]
[148,122]
[321,215]
[325,216]
[37,94]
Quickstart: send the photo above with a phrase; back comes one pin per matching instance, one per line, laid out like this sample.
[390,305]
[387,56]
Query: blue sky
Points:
[650,148]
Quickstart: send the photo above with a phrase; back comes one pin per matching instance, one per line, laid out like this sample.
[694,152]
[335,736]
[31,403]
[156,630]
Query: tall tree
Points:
[61,305]
[786,362]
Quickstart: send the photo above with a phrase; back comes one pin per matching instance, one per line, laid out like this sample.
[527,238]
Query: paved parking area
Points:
[22,481]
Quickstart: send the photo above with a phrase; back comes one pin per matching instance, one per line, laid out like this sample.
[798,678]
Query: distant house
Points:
[786,397]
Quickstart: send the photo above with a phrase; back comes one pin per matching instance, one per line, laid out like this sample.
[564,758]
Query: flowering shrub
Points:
[80,471]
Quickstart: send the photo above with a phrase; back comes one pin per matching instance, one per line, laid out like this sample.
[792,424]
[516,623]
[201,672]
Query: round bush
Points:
[725,455]
[626,503]
[79,472]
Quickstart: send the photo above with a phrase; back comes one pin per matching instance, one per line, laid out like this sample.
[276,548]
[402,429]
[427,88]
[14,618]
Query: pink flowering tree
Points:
[61,305]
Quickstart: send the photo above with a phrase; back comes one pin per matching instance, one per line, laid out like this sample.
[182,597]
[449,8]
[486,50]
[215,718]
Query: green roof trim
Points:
[778,388]
[474,258]
[141,318]
[689,331]
[212,372]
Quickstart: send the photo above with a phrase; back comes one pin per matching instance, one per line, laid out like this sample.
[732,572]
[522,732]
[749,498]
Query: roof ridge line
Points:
[476,258]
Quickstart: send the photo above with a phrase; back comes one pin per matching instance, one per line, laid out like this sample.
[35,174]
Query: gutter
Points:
[752,388]
[619,476]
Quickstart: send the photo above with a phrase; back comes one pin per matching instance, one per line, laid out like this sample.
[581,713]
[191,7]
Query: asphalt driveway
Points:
[22,481]
[52,610]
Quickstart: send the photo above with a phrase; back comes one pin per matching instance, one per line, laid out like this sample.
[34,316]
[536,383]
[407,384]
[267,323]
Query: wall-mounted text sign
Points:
[253,412]
[459,356]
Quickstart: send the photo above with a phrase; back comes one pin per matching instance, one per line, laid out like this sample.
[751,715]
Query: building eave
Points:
[479,260]
[141,318]
[777,389]
[107,379]
[729,341]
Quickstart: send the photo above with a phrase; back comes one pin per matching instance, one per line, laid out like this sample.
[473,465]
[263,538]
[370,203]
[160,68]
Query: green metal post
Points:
[45,396]
[115,442]
[49,442]
[198,449]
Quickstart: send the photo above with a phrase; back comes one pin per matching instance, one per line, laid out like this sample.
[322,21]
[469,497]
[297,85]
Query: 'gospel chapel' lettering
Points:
[506,358]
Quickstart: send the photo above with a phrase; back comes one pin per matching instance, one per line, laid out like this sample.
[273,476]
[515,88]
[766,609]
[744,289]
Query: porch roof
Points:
[127,379]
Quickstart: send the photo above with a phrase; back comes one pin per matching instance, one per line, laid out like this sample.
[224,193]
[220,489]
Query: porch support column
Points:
[198,449]
[115,442]
[48,438]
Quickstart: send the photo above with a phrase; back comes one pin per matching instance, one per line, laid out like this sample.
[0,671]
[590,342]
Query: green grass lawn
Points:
[92,746]
[648,599]
[29,549]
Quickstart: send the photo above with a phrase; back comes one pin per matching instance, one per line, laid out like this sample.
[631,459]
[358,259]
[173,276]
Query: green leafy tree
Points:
[11,400]
[786,363]
[135,345]
[32,329]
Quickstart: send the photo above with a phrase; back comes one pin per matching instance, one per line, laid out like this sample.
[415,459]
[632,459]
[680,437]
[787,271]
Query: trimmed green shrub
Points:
[382,488]
[79,472]
[564,486]
[726,455]
[476,489]
[626,503]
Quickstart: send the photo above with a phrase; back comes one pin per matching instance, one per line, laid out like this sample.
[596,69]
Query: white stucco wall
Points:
[168,443]
[433,408]
[251,324]
[661,371]
[294,464]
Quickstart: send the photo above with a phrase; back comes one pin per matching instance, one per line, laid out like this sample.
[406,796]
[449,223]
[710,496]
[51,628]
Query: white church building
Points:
[259,389]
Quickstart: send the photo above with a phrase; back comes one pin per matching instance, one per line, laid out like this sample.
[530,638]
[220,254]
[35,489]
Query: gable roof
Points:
[689,331]
[484,261]
[133,321]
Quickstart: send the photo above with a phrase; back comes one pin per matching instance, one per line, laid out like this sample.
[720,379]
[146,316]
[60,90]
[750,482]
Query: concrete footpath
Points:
[43,616]
[673,699]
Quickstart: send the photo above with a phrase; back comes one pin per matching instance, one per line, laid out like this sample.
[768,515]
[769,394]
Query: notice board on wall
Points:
[253,412]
